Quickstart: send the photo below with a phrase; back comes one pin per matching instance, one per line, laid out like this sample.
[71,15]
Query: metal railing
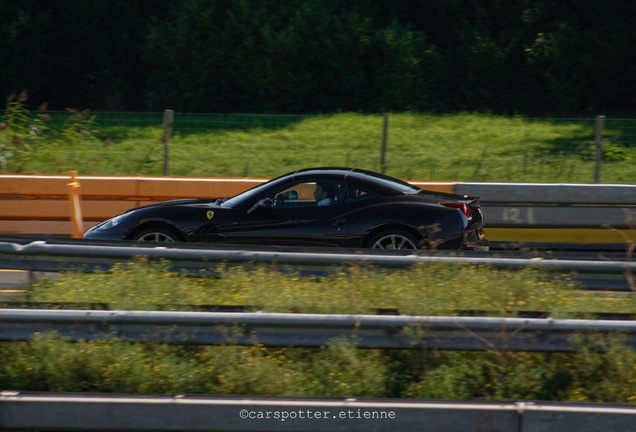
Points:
[51,257]
[63,412]
[314,330]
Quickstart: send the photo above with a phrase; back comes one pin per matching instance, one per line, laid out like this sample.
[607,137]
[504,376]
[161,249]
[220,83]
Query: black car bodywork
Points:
[366,210]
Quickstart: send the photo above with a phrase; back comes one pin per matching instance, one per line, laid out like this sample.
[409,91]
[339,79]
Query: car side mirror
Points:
[265,203]
[288,195]
[291,195]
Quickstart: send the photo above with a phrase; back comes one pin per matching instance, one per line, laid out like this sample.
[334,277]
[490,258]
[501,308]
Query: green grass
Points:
[339,369]
[460,147]
[421,290]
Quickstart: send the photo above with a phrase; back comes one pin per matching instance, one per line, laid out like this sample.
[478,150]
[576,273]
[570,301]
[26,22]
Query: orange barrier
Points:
[39,204]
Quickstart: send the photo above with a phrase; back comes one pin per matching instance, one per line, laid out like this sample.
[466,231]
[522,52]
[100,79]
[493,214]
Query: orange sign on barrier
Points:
[76,209]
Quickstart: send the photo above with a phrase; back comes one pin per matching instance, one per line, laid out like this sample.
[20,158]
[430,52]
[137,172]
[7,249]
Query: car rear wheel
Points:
[157,234]
[394,239]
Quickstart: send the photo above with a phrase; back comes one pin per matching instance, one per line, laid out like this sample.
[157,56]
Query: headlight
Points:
[111,223]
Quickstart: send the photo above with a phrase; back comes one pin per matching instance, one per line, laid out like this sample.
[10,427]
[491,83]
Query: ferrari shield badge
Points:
[210,214]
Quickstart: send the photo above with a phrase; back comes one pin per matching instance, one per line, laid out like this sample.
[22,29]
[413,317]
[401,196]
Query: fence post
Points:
[598,139]
[385,138]
[168,121]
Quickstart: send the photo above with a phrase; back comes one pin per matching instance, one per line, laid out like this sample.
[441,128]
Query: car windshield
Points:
[238,199]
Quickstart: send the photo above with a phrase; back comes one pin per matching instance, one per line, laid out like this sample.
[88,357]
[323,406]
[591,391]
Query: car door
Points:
[289,216]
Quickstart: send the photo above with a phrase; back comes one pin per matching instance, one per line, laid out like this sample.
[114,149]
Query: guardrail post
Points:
[598,139]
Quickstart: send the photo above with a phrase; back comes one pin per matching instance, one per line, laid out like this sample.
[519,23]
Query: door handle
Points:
[339,222]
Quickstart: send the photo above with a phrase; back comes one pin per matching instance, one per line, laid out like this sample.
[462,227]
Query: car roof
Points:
[334,171]
[322,171]
[369,180]
[381,183]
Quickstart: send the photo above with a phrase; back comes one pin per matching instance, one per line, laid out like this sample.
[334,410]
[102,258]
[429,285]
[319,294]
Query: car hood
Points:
[189,202]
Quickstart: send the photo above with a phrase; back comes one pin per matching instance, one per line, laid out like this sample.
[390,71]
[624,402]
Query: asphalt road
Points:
[13,284]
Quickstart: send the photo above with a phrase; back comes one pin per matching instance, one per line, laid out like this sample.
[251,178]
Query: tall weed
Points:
[25,136]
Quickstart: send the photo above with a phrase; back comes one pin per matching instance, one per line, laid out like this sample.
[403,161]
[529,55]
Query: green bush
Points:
[339,369]
[611,152]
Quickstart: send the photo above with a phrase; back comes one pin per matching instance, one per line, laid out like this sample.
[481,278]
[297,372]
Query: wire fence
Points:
[420,147]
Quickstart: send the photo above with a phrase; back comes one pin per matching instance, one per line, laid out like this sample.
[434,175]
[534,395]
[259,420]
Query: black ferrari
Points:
[312,207]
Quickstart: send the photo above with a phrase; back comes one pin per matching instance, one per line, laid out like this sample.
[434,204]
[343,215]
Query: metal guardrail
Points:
[64,412]
[313,330]
[49,257]
[552,193]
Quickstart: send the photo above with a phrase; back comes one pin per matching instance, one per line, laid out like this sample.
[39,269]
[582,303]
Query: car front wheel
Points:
[157,234]
[394,239]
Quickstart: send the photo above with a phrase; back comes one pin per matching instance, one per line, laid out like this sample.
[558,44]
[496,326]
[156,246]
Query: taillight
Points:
[463,207]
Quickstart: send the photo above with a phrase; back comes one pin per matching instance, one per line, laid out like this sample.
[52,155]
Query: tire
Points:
[157,234]
[394,239]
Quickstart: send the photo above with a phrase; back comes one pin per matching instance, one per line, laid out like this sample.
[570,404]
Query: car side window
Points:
[356,194]
[310,194]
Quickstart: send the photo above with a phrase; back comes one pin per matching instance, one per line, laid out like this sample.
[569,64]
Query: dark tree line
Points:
[309,56]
